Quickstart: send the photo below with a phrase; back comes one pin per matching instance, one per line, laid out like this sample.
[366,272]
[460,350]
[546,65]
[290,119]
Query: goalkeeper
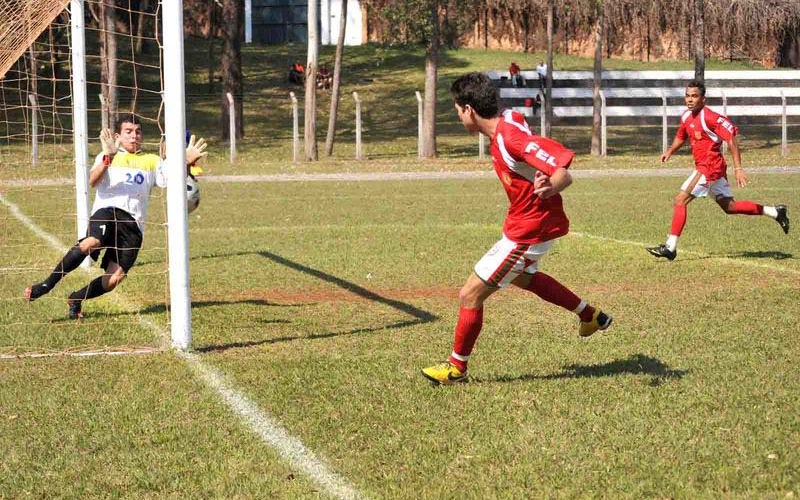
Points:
[123,176]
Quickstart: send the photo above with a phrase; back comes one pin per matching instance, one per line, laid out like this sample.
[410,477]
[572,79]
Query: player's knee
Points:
[115,279]
[681,199]
[88,244]
[727,205]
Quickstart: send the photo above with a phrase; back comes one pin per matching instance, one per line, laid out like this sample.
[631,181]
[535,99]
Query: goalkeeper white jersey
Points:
[128,182]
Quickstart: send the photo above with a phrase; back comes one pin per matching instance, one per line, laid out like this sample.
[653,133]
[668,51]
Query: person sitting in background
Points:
[514,73]
[297,74]
[324,78]
[541,70]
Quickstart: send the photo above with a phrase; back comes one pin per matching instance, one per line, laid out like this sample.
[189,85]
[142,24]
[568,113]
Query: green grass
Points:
[322,300]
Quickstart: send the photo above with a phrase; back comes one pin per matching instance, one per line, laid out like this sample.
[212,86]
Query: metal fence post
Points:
[724,113]
[481,145]
[359,155]
[603,129]
[35,130]
[664,138]
[542,117]
[784,145]
[419,124]
[232,125]
[295,128]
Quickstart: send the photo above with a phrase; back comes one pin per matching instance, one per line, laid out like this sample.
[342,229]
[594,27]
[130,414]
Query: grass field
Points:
[320,302]
[316,303]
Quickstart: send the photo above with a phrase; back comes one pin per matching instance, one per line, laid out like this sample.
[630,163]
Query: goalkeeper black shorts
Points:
[119,235]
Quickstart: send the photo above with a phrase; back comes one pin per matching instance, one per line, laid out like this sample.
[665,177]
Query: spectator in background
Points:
[324,78]
[541,70]
[514,73]
[297,73]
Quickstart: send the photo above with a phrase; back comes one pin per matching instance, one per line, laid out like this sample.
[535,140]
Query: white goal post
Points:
[159,100]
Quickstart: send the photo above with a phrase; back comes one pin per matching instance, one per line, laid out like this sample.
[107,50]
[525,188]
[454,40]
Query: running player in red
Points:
[706,130]
[533,171]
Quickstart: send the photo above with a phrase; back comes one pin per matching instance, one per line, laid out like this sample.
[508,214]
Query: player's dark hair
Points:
[127,118]
[477,91]
[697,84]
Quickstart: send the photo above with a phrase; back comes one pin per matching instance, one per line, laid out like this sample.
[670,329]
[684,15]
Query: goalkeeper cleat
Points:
[445,373]
[663,251]
[35,291]
[74,309]
[782,218]
[600,321]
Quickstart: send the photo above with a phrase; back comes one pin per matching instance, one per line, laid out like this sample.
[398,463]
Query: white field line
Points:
[400,176]
[267,428]
[82,354]
[740,262]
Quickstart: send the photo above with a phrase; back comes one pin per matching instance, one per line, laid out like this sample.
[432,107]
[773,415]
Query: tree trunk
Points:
[108,67]
[597,78]
[232,26]
[789,56]
[699,41]
[548,90]
[143,7]
[310,109]
[337,73]
[429,101]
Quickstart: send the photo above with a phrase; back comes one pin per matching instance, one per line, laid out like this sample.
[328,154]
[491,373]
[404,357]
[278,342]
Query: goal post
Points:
[80,117]
[175,129]
[147,86]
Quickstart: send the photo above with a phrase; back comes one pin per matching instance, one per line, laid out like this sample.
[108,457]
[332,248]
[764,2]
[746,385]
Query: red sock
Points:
[747,208]
[547,288]
[468,327]
[678,219]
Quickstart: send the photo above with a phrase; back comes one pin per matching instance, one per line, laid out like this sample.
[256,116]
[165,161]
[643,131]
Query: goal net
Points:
[41,164]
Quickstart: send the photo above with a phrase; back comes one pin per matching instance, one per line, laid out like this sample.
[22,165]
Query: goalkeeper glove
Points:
[195,150]
[109,144]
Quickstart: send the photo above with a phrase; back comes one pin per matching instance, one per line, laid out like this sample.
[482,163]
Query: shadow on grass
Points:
[637,364]
[761,255]
[420,316]
[315,336]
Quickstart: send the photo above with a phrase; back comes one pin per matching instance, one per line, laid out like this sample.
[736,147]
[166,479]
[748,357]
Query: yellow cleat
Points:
[445,373]
[600,321]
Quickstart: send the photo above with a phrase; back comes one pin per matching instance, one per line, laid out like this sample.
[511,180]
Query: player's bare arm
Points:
[741,176]
[676,145]
[559,181]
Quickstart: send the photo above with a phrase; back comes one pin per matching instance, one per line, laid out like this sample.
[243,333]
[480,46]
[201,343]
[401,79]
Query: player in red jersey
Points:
[533,171]
[706,130]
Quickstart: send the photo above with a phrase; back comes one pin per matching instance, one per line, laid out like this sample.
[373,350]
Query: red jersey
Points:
[706,130]
[517,154]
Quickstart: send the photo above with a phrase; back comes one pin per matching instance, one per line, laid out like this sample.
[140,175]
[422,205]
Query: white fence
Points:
[631,88]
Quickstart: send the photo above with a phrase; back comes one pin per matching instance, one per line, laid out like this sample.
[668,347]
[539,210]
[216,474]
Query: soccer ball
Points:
[192,194]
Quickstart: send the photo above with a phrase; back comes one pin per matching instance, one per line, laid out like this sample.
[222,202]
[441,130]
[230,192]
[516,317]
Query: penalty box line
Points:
[289,448]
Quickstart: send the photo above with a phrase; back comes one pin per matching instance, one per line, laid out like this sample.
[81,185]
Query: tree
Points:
[104,14]
[430,23]
[310,128]
[597,78]
[548,91]
[431,71]
[232,28]
[337,73]
[699,41]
